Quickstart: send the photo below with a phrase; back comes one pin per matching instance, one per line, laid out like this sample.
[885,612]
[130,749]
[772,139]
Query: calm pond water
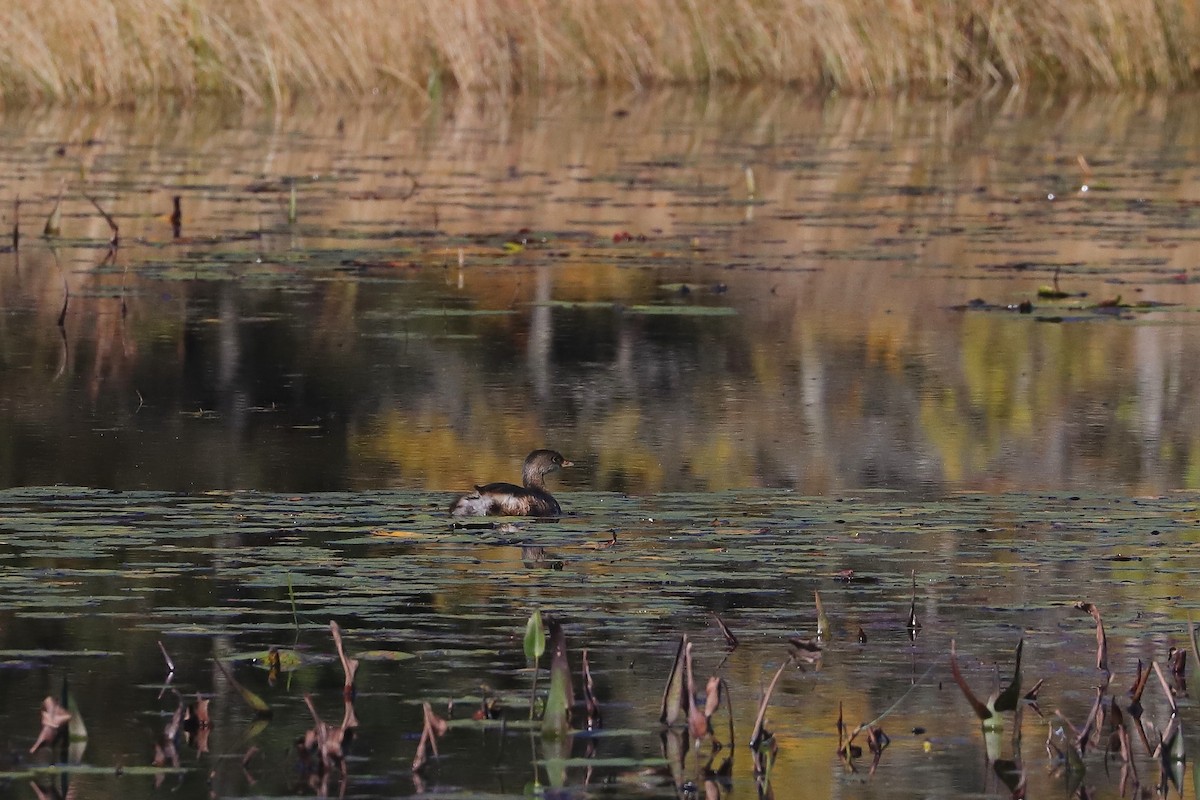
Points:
[781,337]
[804,332]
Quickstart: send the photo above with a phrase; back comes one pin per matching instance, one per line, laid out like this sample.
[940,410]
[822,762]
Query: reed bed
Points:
[271,51]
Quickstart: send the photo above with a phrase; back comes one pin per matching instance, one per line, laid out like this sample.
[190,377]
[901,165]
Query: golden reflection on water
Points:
[256,353]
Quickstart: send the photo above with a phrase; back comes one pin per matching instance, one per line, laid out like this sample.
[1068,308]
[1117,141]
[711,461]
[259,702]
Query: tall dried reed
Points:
[263,51]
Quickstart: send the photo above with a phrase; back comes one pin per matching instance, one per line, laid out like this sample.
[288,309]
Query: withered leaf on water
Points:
[1101,638]
[731,641]
[1177,658]
[913,623]
[54,716]
[806,650]
[712,697]
[1139,686]
[1031,696]
[877,742]
[823,627]
[841,727]
[674,703]
[697,721]
[556,721]
[1093,723]
[250,698]
[196,715]
[981,710]
[76,730]
[1166,689]
[594,719]
[1008,699]
[1192,639]
[327,742]
[759,733]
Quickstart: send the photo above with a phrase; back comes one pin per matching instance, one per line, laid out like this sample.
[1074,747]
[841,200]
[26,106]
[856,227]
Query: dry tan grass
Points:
[264,51]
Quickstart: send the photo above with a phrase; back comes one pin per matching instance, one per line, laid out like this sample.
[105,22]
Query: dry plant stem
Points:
[867,725]
[349,665]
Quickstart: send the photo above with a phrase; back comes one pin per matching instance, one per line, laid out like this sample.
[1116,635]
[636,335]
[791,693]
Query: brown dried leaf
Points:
[757,736]
[981,710]
[697,721]
[1101,638]
[731,641]
[437,725]
[200,711]
[54,716]
[349,665]
[673,699]
[594,719]
[913,623]
[712,696]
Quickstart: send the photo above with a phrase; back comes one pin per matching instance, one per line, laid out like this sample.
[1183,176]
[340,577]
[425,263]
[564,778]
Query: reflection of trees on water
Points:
[842,368]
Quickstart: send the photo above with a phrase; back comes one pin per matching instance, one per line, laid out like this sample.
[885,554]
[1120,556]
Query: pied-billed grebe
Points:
[506,499]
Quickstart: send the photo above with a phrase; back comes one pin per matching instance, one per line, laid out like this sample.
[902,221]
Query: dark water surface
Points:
[782,338]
